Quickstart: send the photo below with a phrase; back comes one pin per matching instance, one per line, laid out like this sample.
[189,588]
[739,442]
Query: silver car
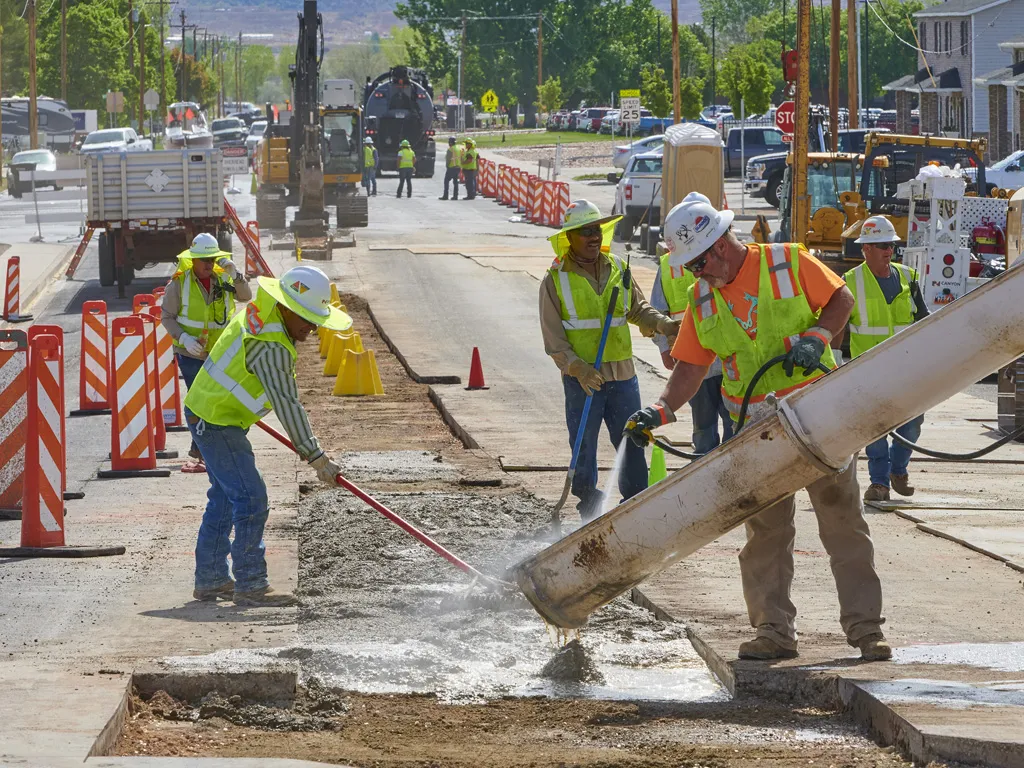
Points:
[256,131]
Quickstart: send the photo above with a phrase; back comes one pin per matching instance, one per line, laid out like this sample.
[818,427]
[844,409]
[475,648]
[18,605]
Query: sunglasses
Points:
[591,230]
[697,266]
[885,246]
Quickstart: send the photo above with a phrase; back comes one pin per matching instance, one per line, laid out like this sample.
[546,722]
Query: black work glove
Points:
[641,425]
[805,354]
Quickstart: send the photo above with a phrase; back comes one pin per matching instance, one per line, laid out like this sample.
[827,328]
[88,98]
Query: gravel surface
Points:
[580,155]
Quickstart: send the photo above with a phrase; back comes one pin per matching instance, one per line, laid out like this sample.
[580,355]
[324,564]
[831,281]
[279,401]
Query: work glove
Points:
[327,470]
[669,328]
[807,352]
[192,345]
[229,268]
[586,374]
[641,425]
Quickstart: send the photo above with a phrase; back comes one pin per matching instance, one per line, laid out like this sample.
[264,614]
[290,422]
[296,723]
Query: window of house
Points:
[923,34]
[948,48]
[964,39]
[938,36]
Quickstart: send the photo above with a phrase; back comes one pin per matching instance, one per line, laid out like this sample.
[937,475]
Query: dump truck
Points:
[399,105]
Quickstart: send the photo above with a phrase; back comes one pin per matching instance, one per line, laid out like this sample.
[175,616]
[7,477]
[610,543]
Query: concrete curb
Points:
[30,292]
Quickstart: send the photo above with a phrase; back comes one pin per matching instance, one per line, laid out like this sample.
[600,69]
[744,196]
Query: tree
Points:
[744,77]
[257,66]
[14,31]
[691,97]
[200,85]
[657,96]
[355,62]
[549,95]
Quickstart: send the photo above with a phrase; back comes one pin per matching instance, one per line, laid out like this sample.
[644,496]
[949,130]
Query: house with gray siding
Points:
[959,42]
[1005,88]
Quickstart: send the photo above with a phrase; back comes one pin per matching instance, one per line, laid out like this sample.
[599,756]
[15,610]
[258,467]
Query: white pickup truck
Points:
[638,194]
[115,140]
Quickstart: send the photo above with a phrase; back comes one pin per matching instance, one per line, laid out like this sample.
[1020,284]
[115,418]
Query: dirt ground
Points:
[371,623]
[582,155]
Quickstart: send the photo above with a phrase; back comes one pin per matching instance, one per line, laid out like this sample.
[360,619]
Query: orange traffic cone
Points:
[476,372]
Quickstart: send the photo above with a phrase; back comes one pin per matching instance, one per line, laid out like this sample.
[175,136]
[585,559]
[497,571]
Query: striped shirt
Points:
[272,364]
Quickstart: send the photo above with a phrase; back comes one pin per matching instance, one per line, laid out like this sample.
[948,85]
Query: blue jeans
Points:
[370,180]
[451,176]
[237,499]
[189,367]
[884,461]
[707,406]
[613,404]
[405,178]
[470,177]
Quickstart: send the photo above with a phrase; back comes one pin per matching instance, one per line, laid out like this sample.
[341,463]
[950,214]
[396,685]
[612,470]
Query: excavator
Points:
[312,159]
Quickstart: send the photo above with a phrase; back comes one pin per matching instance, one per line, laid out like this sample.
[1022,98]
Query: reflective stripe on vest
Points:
[584,312]
[873,319]
[675,285]
[195,313]
[783,314]
[218,371]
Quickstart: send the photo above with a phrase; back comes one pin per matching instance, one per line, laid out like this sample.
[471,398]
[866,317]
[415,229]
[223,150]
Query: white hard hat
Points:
[691,228]
[877,229]
[205,246]
[696,197]
[307,292]
[367,140]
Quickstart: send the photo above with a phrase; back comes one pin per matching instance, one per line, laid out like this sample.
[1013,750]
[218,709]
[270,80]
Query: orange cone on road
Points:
[476,372]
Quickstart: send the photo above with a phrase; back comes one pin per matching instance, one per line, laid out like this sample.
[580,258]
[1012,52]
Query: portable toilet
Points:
[691,162]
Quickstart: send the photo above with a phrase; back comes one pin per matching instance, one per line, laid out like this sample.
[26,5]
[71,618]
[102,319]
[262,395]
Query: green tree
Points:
[356,62]
[655,90]
[691,97]
[744,77]
[200,85]
[14,31]
[404,46]
[258,64]
[549,95]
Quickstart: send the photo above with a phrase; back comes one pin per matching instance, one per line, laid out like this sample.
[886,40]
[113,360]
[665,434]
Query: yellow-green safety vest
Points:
[583,313]
[406,158]
[783,314]
[456,161]
[226,392]
[469,159]
[675,285]
[194,314]
[873,319]
[368,156]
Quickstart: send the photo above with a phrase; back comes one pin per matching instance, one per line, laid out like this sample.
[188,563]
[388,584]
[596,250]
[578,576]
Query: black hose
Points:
[675,451]
[753,383]
[957,456]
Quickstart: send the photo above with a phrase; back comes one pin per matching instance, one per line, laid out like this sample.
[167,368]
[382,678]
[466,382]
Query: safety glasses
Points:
[885,246]
[699,264]
[591,230]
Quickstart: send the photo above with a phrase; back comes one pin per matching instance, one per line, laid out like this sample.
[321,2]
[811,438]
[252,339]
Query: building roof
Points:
[924,82]
[1012,76]
[1014,42]
[959,8]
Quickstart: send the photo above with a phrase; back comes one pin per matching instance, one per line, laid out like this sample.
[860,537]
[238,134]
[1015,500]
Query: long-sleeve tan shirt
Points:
[641,314]
[171,305]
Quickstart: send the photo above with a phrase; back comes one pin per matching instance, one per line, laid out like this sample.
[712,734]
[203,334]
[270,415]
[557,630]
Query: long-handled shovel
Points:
[556,518]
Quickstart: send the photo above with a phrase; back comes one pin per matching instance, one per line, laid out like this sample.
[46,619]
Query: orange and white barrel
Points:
[94,371]
[131,436]
[167,374]
[149,324]
[42,516]
[12,294]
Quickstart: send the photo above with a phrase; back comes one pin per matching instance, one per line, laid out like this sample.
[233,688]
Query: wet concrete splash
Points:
[573,664]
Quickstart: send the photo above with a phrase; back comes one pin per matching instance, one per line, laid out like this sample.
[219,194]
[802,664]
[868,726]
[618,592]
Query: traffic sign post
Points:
[629,108]
[489,102]
[785,119]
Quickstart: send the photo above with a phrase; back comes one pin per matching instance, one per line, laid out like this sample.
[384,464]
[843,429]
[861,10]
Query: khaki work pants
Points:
[766,562]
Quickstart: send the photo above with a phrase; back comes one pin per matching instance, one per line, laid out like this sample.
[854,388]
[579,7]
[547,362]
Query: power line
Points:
[914,45]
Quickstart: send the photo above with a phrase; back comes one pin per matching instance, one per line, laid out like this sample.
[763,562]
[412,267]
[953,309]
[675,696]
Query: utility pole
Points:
[851,63]
[676,104]
[132,18]
[182,57]
[163,70]
[800,220]
[238,73]
[833,76]
[64,50]
[33,113]
[1,92]
[540,52]
[460,123]
[714,66]
[142,72]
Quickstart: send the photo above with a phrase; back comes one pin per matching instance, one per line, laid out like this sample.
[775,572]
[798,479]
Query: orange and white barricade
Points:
[492,179]
[132,444]
[505,184]
[12,294]
[142,302]
[150,323]
[561,202]
[94,370]
[42,518]
[13,413]
[167,374]
[548,204]
[253,228]
[535,200]
[521,189]
[58,333]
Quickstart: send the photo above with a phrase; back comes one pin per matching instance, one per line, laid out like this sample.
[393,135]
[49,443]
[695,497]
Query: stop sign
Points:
[785,118]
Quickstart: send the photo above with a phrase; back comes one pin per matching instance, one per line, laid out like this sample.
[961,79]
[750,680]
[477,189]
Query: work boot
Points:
[455,198]
[764,649]
[876,492]
[224,591]
[901,484]
[445,198]
[265,598]
[874,648]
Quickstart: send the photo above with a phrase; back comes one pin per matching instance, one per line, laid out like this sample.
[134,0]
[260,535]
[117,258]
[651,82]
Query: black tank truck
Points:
[400,105]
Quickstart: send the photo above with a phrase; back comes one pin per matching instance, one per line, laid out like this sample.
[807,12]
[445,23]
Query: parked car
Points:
[555,120]
[638,194]
[115,140]
[30,160]
[1008,173]
[256,131]
[573,120]
[228,131]
[590,120]
[713,113]
[622,153]
[756,141]
[249,116]
[610,122]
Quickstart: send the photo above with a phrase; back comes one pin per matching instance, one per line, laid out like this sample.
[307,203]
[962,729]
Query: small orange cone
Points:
[476,372]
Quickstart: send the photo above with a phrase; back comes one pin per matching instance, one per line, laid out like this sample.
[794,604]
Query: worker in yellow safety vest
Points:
[575,296]
[452,169]
[469,167]
[197,305]
[406,166]
[250,372]
[751,303]
[670,295]
[887,299]
[370,162]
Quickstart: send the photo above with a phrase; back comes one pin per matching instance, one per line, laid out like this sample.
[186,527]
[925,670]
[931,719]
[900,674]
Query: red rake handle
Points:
[408,527]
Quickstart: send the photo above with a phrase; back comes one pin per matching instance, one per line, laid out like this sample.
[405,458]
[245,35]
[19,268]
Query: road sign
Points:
[234,160]
[151,100]
[629,106]
[785,119]
[115,101]
[489,102]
